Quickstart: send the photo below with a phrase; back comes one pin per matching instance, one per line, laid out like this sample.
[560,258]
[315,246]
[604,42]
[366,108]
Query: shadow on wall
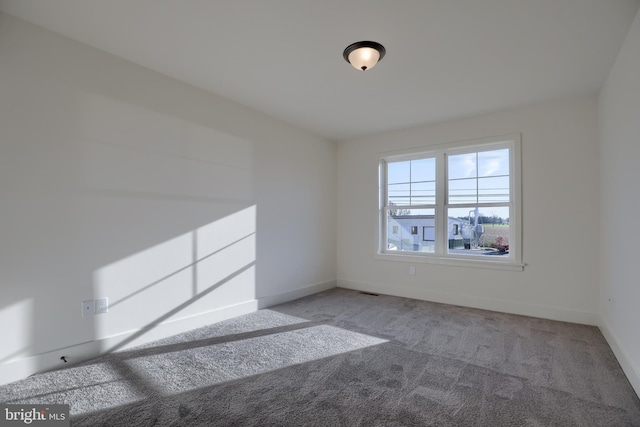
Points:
[99,179]
[165,173]
[207,269]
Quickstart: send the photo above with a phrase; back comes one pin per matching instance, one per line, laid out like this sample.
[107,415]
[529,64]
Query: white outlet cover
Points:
[102,305]
[87,307]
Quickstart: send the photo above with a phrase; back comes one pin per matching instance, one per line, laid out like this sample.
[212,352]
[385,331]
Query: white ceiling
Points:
[445,58]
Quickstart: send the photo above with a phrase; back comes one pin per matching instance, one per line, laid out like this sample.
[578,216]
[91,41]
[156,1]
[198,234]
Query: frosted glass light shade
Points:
[364,58]
[364,55]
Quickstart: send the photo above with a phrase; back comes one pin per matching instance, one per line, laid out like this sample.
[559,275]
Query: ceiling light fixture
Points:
[364,55]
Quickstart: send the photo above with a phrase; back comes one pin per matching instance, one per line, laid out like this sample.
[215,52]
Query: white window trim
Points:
[514,261]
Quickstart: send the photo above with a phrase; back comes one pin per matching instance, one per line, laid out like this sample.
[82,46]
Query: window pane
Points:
[491,184]
[398,172]
[493,190]
[423,170]
[463,191]
[493,163]
[410,235]
[462,166]
[411,182]
[429,233]
[423,193]
[399,194]
[481,231]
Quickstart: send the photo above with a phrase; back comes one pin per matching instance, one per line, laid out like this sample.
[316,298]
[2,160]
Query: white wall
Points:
[619,108]
[115,181]
[560,214]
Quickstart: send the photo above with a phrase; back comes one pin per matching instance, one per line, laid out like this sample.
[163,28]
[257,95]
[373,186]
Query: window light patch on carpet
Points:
[184,370]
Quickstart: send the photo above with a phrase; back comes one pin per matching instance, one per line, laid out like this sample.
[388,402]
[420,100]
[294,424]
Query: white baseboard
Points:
[630,369]
[283,297]
[503,306]
[18,369]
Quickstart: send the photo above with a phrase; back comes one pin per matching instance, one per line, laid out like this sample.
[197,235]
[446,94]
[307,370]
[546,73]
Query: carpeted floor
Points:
[343,358]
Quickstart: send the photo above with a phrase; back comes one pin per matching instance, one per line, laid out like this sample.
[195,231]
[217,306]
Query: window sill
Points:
[458,262]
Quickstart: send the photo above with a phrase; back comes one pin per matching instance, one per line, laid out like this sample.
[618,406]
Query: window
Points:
[464,196]
[428,233]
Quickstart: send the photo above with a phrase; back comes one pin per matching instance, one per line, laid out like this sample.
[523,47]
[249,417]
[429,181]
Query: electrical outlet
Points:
[88,308]
[412,271]
[102,305]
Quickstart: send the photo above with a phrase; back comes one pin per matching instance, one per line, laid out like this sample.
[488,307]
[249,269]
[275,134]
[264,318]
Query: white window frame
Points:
[512,261]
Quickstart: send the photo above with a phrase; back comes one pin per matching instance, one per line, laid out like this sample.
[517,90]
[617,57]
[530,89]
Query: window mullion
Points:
[441,220]
[383,204]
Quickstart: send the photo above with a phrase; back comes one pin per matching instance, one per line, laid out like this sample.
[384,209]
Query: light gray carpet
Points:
[343,358]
